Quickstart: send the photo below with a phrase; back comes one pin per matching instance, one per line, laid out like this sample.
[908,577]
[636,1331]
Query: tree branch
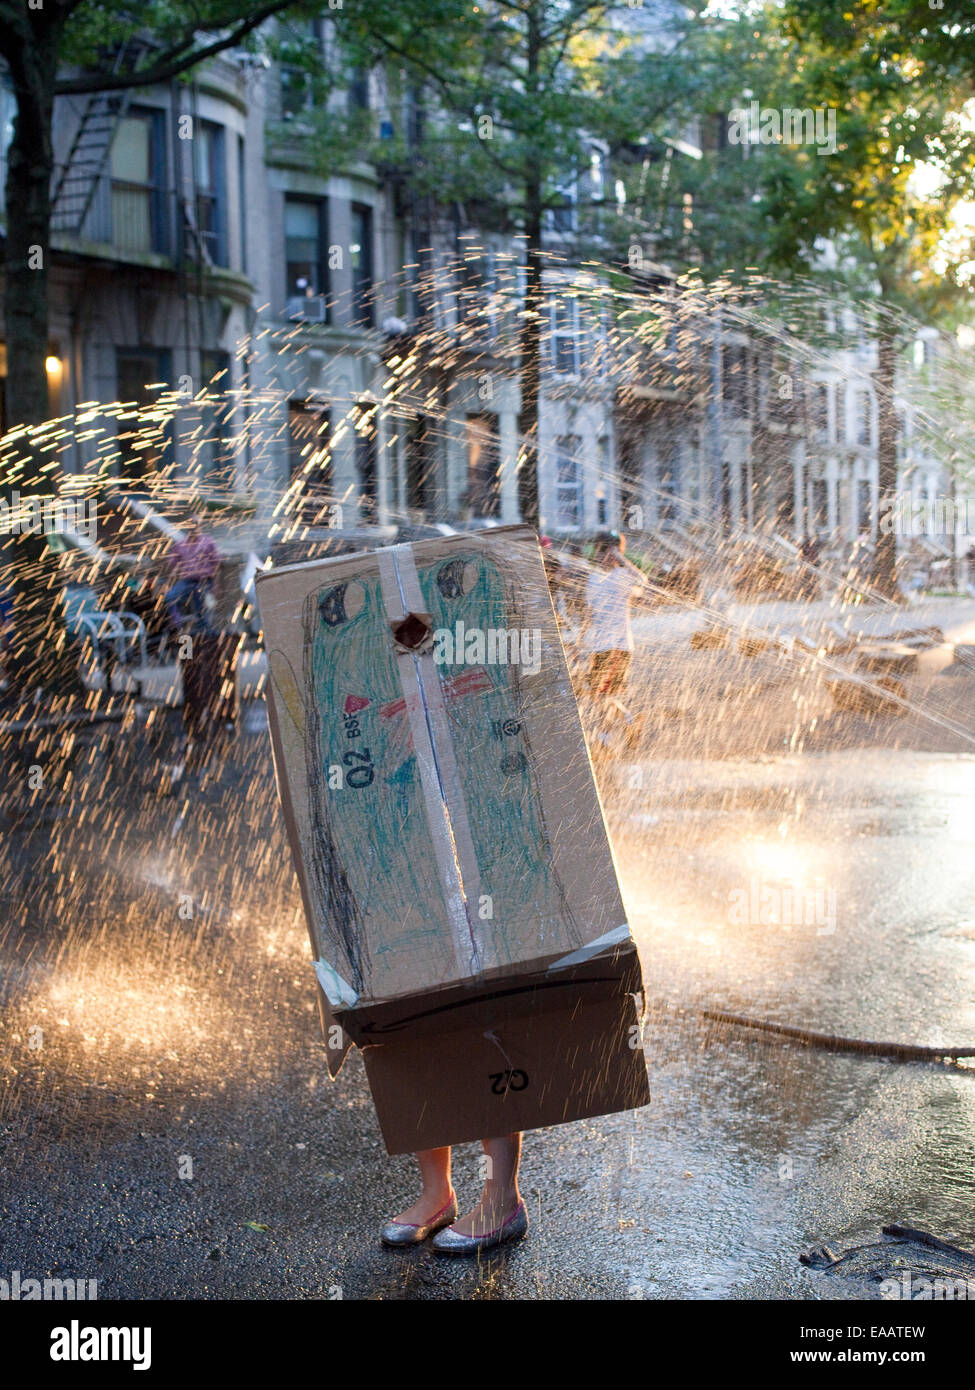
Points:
[170,64]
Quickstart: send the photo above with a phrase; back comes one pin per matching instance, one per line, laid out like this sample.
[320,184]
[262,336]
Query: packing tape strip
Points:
[616,937]
[434,793]
[430,684]
[338,992]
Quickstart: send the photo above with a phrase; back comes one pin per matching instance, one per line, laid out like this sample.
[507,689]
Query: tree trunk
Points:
[883,576]
[530,363]
[30,163]
[38,655]
[531,323]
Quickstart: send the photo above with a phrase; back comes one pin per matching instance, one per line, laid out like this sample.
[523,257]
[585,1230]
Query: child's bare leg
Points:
[437,1190]
[500,1196]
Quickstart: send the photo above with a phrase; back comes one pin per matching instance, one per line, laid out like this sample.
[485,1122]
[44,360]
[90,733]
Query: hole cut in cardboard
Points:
[414,633]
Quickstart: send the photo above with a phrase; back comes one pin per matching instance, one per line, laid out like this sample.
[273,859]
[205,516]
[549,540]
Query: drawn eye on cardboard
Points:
[342,604]
[283,676]
[456,578]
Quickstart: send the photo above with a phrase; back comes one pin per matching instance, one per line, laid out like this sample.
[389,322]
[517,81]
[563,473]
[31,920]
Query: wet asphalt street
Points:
[167,1126]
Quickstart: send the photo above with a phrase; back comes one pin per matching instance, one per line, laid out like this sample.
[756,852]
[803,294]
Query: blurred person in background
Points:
[195,561]
[606,633]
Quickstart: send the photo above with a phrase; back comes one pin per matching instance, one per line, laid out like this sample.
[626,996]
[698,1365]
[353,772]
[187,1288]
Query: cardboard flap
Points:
[612,973]
[337,1042]
[538,1069]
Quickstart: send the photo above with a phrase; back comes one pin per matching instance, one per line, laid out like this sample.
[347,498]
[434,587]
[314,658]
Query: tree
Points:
[881,196]
[517,91]
[935,36]
[67,47]
[905,161]
[707,214]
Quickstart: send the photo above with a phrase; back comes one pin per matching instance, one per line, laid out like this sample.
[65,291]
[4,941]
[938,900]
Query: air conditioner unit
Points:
[313,309]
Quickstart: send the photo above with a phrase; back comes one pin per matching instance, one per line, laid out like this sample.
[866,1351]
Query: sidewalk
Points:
[763,691]
[668,628]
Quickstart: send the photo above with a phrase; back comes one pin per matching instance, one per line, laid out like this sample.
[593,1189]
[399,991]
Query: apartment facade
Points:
[357,350]
[201,256]
[149,286]
[204,272]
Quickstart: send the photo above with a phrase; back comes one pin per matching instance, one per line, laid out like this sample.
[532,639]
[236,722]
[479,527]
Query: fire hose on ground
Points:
[901,1052]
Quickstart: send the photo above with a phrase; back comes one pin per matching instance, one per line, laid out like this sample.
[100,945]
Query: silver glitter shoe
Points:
[403,1233]
[450,1242]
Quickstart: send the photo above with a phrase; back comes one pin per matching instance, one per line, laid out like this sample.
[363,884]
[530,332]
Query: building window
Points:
[483,466]
[782,392]
[604,482]
[295,92]
[566,345]
[8,113]
[864,505]
[736,383]
[306,265]
[360,255]
[420,464]
[596,180]
[242,209]
[304,39]
[563,218]
[478,301]
[209,168]
[309,427]
[819,505]
[568,482]
[359,90]
[862,406]
[215,453]
[144,445]
[819,412]
[365,463]
[669,482]
[137,165]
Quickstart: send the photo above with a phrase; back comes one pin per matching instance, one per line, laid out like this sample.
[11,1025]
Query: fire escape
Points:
[75,189]
[80,209]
